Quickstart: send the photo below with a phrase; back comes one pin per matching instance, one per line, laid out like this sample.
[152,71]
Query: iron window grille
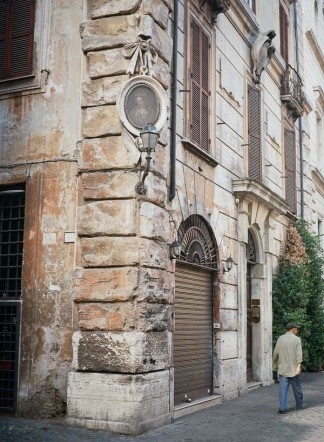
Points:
[12,208]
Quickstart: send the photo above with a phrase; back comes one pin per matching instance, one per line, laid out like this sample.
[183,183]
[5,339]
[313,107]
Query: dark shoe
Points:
[282,411]
[302,407]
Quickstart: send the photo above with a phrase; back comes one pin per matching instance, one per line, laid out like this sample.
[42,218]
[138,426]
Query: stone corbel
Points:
[140,53]
[261,52]
[219,7]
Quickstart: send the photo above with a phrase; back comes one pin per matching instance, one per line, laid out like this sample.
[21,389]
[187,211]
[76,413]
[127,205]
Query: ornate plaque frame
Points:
[142,100]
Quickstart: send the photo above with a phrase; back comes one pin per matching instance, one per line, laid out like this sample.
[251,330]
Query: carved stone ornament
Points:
[261,52]
[221,6]
[142,100]
[218,7]
[141,53]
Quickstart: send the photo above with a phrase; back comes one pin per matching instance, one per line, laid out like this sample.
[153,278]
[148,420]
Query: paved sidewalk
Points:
[252,418]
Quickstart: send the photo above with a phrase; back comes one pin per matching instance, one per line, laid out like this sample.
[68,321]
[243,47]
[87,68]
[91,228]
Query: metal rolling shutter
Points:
[193,343]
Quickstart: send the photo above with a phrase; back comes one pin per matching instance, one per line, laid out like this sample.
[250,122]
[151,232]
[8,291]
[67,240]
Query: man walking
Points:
[286,360]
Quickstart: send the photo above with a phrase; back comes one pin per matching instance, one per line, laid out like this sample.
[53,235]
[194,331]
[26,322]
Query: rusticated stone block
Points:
[107,218]
[160,39]
[156,286]
[110,32]
[124,284]
[154,254]
[102,8]
[129,404]
[109,251]
[156,189]
[107,285]
[157,10]
[154,317]
[107,63]
[161,161]
[111,62]
[107,153]
[154,222]
[100,120]
[126,352]
[125,316]
[106,316]
[162,73]
[102,90]
[117,184]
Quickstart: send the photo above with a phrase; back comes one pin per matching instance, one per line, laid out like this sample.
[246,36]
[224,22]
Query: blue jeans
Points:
[284,383]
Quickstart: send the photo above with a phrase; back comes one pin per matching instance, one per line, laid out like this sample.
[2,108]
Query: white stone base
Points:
[127,404]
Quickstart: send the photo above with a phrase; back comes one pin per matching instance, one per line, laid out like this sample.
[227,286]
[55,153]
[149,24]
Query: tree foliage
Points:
[298,292]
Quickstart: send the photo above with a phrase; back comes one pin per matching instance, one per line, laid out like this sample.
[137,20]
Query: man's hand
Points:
[298,369]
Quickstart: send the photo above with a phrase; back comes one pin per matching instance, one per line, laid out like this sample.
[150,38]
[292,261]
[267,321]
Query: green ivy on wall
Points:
[298,292]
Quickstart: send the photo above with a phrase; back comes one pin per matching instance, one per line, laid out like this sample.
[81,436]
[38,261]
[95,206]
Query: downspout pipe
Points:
[300,122]
[173,121]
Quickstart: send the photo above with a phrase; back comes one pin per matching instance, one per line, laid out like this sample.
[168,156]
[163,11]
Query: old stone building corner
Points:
[152,156]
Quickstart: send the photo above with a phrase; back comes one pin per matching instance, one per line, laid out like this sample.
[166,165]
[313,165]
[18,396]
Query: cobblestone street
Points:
[246,419]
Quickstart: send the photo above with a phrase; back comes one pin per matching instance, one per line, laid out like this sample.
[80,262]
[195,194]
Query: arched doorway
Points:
[193,335]
[251,259]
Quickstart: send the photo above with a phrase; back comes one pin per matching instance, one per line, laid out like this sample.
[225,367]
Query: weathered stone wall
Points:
[124,287]
[39,132]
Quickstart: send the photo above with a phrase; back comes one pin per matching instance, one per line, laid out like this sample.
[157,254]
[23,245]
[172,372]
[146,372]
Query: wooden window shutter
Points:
[199,87]
[3,27]
[283,33]
[255,154]
[16,37]
[290,169]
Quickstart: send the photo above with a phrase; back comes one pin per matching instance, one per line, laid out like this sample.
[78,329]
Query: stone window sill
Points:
[187,144]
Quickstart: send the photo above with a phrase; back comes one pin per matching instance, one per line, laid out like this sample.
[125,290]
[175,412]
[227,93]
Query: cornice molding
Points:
[311,37]
[240,10]
[252,190]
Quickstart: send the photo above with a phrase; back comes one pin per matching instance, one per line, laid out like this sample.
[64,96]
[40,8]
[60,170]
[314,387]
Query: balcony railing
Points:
[292,91]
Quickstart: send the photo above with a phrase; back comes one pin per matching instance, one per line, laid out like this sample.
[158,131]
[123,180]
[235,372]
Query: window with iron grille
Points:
[9,351]
[290,169]
[16,38]
[199,86]
[254,129]
[12,208]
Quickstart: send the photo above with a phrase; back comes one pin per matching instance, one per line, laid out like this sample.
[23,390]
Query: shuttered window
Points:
[199,86]
[283,33]
[16,37]
[290,169]
[255,154]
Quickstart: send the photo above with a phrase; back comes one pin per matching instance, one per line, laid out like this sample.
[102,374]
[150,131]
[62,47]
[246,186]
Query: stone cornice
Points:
[316,47]
[252,190]
[246,17]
